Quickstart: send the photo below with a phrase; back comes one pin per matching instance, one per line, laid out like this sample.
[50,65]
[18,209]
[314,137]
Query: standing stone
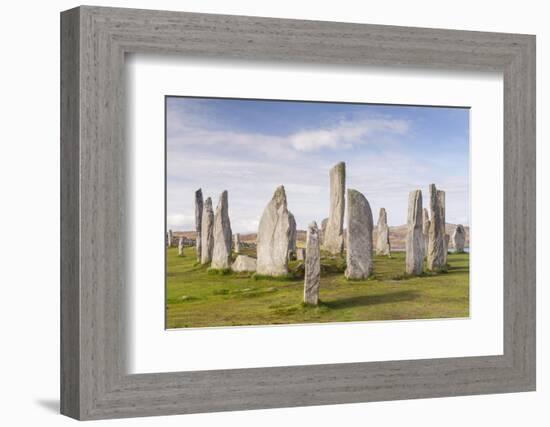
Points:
[221,255]
[169,238]
[334,234]
[312,278]
[237,243]
[324,223]
[244,263]
[180,246]
[359,237]
[273,238]
[414,244]
[383,238]
[301,254]
[425,229]
[459,238]
[447,238]
[207,229]
[436,241]
[198,222]
[292,241]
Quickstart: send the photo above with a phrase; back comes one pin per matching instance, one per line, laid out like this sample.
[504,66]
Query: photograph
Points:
[296,212]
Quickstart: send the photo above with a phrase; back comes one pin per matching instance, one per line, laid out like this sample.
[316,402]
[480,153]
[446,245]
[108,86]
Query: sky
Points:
[249,147]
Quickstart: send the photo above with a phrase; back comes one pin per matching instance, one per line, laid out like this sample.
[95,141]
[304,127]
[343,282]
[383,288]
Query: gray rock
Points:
[221,255]
[446,243]
[300,254]
[199,205]
[237,242]
[312,280]
[383,238]
[273,239]
[180,246]
[244,263]
[324,223]
[436,257]
[414,243]
[292,240]
[169,238]
[207,232]
[458,239]
[359,237]
[334,233]
[425,229]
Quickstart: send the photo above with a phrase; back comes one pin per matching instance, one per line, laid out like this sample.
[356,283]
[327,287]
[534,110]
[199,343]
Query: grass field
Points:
[198,298]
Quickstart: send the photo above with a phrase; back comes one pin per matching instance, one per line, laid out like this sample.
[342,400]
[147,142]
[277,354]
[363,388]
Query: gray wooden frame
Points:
[94,382]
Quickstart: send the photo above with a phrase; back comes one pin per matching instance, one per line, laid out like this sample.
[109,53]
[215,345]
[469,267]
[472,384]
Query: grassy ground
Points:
[198,298]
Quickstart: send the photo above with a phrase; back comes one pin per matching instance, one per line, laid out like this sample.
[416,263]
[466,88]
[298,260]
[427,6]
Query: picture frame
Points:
[94,379]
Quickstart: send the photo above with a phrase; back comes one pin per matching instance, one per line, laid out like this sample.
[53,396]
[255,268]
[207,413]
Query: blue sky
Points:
[249,147]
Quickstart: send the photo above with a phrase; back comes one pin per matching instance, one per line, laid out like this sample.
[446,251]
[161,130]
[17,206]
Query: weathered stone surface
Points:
[169,238]
[334,233]
[458,238]
[436,241]
[359,237]
[244,263]
[180,246]
[414,244]
[237,242]
[324,223]
[446,242]
[221,255]
[199,205]
[207,232]
[312,278]
[300,254]
[425,229]
[292,239]
[383,237]
[273,239]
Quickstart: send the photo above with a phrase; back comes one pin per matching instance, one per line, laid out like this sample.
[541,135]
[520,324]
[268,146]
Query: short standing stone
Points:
[169,238]
[334,233]
[292,240]
[244,263]
[180,246]
[300,254]
[312,278]
[207,228]
[436,258]
[425,229]
[414,243]
[459,238]
[221,255]
[324,223]
[383,235]
[237,243]
[359,237]
[199,205]
[273,239]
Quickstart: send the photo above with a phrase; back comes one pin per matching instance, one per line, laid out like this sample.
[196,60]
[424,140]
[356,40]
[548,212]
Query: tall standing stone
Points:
[446,240]
[383,237]
[334,234]
[221,255]
[458,238]
[180,246]
[414,243]
[425,229]
[169,238]
[436,241]
[198,222]
[359,237]
[312,278]
[237,243]
[292,240]
[207,229]
[273,238]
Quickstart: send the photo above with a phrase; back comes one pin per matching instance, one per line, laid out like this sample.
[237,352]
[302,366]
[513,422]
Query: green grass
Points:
[199,297]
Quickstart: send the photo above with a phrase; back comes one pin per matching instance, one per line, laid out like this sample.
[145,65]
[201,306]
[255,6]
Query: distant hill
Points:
[397,235]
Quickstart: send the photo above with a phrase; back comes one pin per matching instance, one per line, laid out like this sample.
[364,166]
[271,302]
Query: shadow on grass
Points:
[363,300]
